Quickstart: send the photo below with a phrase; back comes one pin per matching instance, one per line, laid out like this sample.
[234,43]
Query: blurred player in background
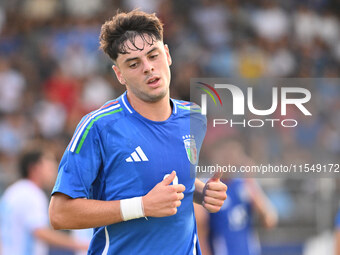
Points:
[123,158]
[24,209]
[230,231]
[337,234]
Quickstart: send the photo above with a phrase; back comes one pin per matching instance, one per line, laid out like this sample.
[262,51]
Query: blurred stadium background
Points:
[52,73]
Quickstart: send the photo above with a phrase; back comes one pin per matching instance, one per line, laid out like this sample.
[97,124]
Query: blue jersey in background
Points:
[231,231]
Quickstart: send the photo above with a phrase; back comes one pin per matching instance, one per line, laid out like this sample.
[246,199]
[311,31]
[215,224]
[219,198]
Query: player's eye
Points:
[154,56]
[133,65]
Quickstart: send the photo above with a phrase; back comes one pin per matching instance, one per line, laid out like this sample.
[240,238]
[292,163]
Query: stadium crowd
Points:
[52,73]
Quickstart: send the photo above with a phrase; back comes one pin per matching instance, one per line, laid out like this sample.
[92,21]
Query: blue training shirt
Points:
[116,153]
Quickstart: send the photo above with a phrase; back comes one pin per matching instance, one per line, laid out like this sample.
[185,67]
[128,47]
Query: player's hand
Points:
[214,194]
[164,198]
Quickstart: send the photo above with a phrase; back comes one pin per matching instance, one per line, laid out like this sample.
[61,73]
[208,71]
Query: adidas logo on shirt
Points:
[137,156]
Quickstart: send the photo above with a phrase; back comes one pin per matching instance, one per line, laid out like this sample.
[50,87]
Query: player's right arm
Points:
[77,213]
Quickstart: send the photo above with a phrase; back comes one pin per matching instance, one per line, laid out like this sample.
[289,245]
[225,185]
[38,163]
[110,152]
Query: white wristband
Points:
[132,208]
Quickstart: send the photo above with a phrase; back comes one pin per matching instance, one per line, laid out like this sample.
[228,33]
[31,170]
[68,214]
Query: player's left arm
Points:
[210,195]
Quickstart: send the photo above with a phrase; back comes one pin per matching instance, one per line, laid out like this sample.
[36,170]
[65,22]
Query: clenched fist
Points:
[164,198]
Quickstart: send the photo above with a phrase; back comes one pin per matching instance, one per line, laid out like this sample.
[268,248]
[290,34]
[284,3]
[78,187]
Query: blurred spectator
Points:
[280,61]
[211,19]
[84,8]
[221,62]
[305,22]
[41,10]
[251,61]
[328,28]
[144,5]
[2,19]
[47,64]
[24,209]
[15,130]
[96,91]
[62,88]
[270,21]
[12,85]
[77,62]
[50,117]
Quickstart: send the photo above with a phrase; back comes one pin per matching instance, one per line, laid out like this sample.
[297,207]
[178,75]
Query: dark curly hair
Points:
[126,27]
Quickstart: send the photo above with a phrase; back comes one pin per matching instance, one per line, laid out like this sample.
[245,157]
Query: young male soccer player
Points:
[131,159]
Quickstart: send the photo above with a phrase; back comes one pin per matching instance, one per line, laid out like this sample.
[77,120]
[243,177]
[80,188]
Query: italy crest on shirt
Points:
[190,148]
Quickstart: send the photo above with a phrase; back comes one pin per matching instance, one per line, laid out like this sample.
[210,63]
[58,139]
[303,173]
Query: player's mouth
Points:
[153,81]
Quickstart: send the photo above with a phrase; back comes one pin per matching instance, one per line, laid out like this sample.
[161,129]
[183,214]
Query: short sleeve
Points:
[80,163]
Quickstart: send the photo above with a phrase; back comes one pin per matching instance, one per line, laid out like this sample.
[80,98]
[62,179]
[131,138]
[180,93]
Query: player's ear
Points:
[118,74]
[167,52]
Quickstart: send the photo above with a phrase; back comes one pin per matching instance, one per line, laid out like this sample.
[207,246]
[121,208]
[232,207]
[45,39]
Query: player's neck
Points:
[155,111]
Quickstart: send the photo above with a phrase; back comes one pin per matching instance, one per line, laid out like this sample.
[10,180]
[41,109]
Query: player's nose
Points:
[147,67]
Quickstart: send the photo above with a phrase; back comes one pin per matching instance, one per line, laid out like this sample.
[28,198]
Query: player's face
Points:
[146,72]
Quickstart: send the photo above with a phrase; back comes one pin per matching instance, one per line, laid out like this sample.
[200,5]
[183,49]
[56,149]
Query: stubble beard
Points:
[150,98]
